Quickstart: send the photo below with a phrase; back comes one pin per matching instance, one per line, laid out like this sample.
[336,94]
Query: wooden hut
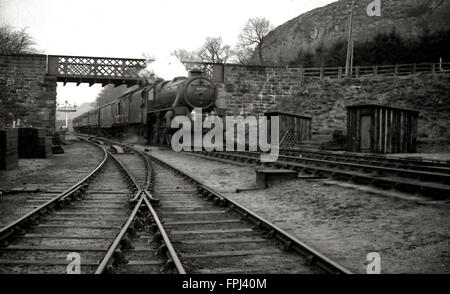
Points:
[381,129]
[294,128]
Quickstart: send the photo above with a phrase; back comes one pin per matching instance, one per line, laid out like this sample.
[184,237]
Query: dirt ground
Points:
[344,224]
[45,175]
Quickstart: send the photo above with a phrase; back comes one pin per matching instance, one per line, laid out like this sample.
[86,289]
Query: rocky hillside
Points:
[330,23]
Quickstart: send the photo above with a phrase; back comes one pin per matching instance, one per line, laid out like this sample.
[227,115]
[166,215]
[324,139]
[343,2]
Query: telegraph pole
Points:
[351,58]
[350,41]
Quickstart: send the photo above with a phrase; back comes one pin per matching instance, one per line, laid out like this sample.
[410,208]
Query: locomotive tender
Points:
[147,112]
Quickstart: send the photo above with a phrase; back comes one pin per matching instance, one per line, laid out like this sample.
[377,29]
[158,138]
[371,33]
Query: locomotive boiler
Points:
[147,112]
[177,97]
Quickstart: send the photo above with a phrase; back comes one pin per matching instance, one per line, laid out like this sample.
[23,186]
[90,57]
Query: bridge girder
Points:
[92,70]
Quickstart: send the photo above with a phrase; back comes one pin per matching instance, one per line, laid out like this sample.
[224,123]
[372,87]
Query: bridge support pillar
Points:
[27,92]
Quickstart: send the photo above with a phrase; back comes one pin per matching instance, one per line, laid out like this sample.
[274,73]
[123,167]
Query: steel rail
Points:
[107,259]
[149,175]
[137,189]
[9,229]
[410,185]
[312,255]
[170,249]
[147,163]
[147,198]
[375,157]
[402,171]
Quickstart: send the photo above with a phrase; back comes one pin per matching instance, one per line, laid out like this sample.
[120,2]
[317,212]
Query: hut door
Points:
[366,122]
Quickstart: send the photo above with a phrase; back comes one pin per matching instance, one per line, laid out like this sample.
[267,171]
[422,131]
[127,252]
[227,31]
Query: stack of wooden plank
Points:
[8,149]
[34,143]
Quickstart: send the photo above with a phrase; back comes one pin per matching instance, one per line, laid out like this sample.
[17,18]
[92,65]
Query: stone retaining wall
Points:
[254,90]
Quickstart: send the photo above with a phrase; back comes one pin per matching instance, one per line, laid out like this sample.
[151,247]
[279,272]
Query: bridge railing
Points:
[95,67]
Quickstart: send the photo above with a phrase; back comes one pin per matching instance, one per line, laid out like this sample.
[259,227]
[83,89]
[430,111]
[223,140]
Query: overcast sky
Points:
[133,27]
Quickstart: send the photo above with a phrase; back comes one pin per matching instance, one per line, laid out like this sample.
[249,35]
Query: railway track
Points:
[212,234]
[39,193]
[92,220]
[143,245]
[372,159]
[111,219]
[413,177]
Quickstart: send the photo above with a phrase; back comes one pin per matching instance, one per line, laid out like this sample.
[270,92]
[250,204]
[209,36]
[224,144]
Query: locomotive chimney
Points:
[195,73]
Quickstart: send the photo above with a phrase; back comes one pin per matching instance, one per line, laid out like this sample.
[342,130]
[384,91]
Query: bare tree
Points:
[215,51]
[253,35]
[242,54]
[16,105]
[13,41]
[147,73]
[185,55]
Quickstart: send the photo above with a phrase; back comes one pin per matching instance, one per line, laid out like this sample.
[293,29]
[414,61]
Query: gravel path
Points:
[344,224]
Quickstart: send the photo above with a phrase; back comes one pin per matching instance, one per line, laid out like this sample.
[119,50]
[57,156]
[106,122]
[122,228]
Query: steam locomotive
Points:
[147,112]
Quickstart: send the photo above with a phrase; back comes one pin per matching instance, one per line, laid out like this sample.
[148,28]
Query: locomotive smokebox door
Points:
[381,129]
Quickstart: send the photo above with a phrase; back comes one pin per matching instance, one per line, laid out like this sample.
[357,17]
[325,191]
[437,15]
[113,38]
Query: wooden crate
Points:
[381,129]
[8,149]
[34,143]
